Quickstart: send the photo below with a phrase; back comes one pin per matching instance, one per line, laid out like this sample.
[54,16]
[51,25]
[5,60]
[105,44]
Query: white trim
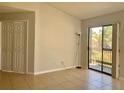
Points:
[13,72]
[27,31]
[6,71]
[43,72]
[117,53]
[53,70]
[0,44]
[121,78]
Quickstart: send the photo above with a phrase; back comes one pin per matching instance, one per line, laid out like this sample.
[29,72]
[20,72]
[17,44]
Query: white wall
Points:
[54,36]
[54,39]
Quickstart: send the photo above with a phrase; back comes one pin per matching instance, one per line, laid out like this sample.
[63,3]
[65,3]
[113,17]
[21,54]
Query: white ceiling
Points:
[6,9]
[88,10]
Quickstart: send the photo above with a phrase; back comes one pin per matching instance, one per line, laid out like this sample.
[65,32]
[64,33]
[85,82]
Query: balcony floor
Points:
[98,67]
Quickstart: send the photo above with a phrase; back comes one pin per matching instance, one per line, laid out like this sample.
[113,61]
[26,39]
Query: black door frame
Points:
[102,47]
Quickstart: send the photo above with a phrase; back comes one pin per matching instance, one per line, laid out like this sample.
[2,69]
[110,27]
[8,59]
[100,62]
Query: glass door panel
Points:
[95,48]
[107,49]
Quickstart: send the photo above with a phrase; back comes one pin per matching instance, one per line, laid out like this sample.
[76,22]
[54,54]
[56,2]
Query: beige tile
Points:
[71,79]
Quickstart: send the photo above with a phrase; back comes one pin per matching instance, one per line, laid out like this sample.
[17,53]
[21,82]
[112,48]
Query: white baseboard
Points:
[121,78]
[13,72]
[43,72]
[5,71]
[53,70]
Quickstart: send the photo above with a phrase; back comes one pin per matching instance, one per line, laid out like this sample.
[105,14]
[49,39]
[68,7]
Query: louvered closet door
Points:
[19,47]
[7,45]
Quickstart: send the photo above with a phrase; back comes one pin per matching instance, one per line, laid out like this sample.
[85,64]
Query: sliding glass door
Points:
[100,49]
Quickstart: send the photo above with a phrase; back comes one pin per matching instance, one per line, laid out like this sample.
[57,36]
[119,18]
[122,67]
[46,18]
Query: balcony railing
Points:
[96,60]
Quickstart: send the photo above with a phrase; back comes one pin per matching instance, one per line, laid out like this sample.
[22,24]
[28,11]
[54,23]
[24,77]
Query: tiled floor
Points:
[71,79]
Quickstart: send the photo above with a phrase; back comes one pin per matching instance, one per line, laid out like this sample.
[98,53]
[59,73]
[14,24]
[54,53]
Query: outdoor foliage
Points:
[96,44]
